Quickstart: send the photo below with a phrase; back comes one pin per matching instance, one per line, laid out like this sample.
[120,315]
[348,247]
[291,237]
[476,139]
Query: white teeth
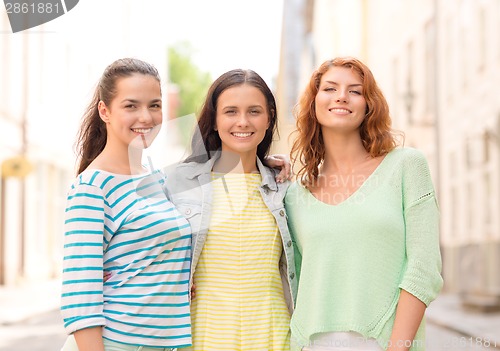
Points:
[339,110]
[242,135]
[142,130]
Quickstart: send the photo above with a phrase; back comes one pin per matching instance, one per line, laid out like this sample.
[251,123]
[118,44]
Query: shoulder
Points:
[86,185]
[294,186]
[269,176]
[91,178]
[415,175]
[182,169]
[295,189]
[407,161]
[407,154]
[183,177]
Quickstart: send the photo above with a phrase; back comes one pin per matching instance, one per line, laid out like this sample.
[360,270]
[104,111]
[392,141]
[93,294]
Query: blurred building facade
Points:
[47,77]
[438,63]
[36,161]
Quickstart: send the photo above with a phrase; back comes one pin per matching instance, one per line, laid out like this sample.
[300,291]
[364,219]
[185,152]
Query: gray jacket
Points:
[188,186]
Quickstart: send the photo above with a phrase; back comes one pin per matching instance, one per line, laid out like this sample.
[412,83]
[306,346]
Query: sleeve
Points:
[422,275]
[298,259]
[82,277]
[290,201]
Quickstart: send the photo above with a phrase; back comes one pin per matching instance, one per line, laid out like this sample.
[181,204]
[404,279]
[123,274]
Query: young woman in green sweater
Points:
[363,217]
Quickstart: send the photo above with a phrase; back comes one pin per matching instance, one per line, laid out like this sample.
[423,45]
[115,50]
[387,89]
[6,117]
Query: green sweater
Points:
[353,258]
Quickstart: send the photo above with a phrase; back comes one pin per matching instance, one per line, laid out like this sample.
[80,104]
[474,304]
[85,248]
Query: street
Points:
[45,333]
[443,339]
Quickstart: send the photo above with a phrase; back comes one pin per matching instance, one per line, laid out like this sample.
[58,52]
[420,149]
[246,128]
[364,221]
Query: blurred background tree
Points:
[191,85]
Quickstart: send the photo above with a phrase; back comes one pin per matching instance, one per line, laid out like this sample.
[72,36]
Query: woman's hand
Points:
[106,275]
[281,162]
[193,291]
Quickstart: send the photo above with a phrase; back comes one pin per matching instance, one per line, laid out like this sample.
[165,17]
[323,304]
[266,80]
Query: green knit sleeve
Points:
[422,275]
[298,259]
[291,201]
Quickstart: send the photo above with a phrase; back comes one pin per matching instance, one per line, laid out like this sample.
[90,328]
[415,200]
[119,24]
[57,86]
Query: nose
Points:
[145,116]
[242,120]
[342,96]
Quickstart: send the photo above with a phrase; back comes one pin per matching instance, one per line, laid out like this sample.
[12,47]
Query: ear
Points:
[273,115]
[103,111]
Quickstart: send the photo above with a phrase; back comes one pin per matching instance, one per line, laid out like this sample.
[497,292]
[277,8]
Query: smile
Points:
[141,130]
[340,110]
[242,135]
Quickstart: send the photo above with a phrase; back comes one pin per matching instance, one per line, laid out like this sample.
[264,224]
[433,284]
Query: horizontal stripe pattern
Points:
[239,302]
[125,225]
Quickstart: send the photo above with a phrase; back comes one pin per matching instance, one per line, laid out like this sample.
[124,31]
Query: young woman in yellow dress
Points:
[242,262]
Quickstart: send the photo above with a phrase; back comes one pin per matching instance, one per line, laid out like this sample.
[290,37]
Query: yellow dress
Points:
[239,303]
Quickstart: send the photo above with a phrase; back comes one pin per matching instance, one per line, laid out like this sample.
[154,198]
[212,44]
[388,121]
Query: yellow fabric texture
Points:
[239,303]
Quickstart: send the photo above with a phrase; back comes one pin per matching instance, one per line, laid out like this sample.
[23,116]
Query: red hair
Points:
[375,130]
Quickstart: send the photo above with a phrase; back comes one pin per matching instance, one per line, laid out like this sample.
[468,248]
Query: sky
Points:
[230,34]
[225,34]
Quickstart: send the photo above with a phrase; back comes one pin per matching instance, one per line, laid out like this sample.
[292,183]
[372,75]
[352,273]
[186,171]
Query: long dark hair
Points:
[206,140]
[92,135]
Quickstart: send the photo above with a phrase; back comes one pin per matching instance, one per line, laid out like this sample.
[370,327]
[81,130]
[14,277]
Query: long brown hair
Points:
[92,135]
[206,139]
[376,133]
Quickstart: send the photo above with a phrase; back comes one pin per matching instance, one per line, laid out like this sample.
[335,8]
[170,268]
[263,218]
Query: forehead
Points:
[137,83]
[244,94]
[341,75]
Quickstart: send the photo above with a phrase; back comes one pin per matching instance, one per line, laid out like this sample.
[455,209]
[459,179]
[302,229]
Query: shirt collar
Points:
[268,176]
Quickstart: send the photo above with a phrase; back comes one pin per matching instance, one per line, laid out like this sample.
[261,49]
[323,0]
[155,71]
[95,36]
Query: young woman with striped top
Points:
[119,220]
[242,252]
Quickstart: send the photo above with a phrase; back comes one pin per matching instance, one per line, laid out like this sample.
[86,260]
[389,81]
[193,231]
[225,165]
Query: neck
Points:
[343,153]
[230,162]
[123,160]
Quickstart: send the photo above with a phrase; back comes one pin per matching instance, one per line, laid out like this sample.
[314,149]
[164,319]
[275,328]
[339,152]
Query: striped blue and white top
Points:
[125,225]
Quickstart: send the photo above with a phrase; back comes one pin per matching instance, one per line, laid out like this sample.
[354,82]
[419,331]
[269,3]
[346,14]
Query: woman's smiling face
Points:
[340,103]
[242,119]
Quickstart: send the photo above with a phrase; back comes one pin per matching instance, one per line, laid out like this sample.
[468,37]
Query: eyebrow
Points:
[350,85]
[137,101]
[252,106]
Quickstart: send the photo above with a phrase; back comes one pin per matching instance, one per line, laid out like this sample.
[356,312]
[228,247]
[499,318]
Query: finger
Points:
[282,175]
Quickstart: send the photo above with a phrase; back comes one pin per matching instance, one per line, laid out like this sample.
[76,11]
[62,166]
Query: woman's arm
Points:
[82,288]
[89,339]
[409,314]
[421,281]
[281,162]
